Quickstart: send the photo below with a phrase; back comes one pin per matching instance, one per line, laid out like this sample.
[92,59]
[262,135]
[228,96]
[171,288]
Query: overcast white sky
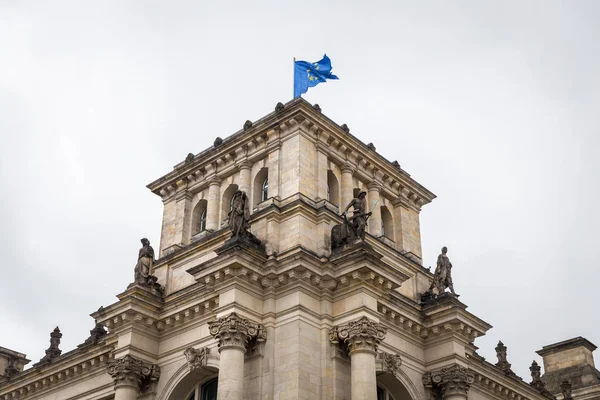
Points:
[492,105]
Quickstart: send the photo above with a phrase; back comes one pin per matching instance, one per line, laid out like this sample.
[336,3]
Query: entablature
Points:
[265,135]
[127,312]
[492,381]
[69,368]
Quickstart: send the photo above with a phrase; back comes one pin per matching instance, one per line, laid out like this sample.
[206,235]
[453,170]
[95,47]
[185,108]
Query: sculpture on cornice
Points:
[11,369]
[53,351]
[239,221]
[239,215]
[353,228]
[143,269]
[442,278]
[566,389]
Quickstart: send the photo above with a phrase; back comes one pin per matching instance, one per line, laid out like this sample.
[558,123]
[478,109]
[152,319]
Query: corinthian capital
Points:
[360,335]
[234,331]
[453,380]
[130,371]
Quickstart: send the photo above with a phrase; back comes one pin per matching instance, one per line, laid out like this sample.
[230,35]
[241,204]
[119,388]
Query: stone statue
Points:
[145,262]
[143,269]
[354,228]
[442,278]
[239,216]
[566,389]
[239,223]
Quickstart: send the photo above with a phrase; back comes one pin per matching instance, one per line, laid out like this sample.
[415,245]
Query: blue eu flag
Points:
[311,74]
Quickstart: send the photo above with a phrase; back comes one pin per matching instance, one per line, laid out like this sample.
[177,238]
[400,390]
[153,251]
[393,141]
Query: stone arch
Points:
[387,223]
[333,189]
[259,180]
[226,202]
[183,380]
[398,384]
[199,217]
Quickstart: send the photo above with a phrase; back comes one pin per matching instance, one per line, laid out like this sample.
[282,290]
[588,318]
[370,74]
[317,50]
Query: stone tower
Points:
[283,316]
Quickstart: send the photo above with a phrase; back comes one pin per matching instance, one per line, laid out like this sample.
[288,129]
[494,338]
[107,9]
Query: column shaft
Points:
[347,189]
[375,219]
[126,393]
[245,169]
[212,212]
[231,374]
[363,376]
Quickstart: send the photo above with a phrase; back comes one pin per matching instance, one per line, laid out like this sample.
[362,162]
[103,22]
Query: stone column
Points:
[132,376]
[214,202]
[361,338]
[347,189]
[233,334]
[451,382]
[375,219]
[245,172]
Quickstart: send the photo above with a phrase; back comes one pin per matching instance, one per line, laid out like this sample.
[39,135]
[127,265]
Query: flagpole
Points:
[293,87]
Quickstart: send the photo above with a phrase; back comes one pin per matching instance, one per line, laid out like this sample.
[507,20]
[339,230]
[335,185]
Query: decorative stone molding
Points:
[390,362]
[53,351]
[503,364]
[196,358]
[233,331]
[149,321]
[360,335]
[449,381]
[131,371]
[63,376]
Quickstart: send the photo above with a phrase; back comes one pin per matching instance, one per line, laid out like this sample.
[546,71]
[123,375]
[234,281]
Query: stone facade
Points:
[290,320]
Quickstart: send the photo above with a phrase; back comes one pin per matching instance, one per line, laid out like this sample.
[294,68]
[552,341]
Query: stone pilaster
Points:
[452,382]
[132,376]
[183,221]
[361,338]
[375,205]
[233,334]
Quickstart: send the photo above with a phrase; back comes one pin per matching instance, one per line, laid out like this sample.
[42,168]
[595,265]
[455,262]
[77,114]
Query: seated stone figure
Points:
[352,229]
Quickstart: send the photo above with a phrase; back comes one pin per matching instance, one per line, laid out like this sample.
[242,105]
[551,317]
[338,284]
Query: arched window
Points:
[261,186]
[387,223]
[226,202]
[333,189]
[206,391]
[383,394]
[199,217]
[264,193]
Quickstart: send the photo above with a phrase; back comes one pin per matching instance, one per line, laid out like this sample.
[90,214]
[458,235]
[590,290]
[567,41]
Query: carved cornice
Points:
[133,372]
[26,385]
[196,358]
[360,335]
[233,331]
[449,381]
[119,319]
